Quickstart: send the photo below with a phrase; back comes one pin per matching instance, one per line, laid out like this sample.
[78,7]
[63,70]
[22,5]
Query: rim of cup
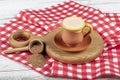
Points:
[73,23]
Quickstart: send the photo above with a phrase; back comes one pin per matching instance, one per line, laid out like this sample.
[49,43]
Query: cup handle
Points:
[87,25]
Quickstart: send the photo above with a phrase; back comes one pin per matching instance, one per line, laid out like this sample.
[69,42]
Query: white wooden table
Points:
[10,70]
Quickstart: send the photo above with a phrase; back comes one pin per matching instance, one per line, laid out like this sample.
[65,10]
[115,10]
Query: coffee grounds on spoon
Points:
[36,59]
[36,48]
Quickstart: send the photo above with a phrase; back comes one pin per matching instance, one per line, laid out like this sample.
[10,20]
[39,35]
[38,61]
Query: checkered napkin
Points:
[40,22]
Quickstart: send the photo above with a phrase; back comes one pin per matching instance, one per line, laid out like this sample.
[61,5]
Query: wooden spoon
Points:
[35,46]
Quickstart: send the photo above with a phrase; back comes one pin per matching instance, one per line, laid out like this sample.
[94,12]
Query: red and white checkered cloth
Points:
[41,22]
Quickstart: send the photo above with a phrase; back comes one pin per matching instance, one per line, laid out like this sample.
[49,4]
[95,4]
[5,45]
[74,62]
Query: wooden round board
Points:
[92,52]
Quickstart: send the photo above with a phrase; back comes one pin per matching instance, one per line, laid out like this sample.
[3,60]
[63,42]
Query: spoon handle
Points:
[15,50]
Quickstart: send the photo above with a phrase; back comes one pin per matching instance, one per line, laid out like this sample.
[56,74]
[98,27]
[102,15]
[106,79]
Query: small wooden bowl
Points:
[20,34]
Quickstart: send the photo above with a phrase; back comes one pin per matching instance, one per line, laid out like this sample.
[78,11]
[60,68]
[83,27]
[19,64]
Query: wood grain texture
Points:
[10,70]
[93,51]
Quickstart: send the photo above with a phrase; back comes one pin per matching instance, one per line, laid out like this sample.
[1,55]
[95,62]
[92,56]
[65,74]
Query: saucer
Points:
[58,42]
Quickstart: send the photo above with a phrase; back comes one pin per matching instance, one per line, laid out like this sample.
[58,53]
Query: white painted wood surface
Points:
[10,70]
